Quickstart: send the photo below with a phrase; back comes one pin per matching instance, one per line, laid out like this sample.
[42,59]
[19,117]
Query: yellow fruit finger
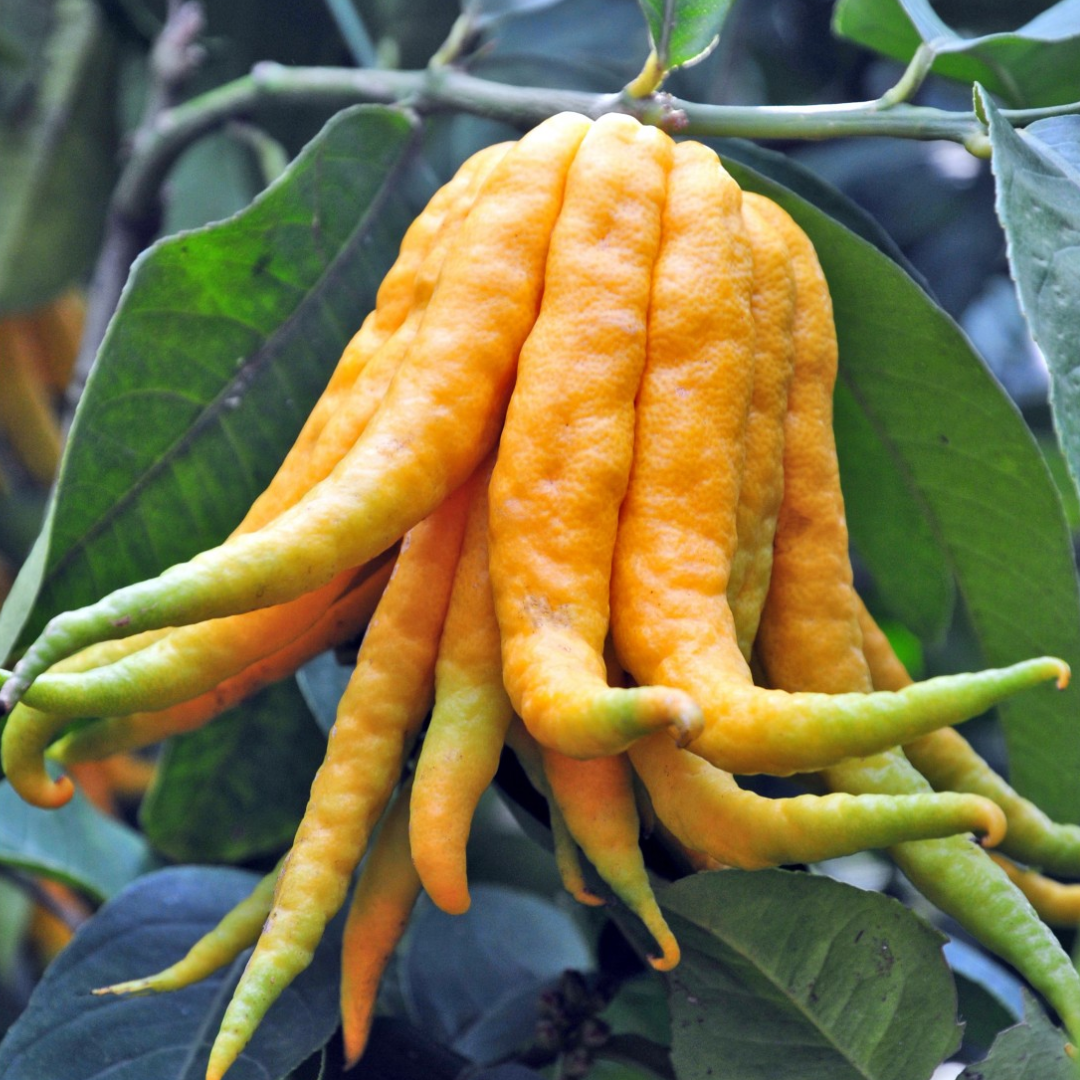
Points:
[472,712]
[564,457]
[385,894]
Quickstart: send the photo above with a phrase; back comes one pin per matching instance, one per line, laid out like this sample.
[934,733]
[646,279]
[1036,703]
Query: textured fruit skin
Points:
[596,798]
[773,307]
[468,725]
[950,763]
[342,621]
[643,358]
[565,452]
[386,892]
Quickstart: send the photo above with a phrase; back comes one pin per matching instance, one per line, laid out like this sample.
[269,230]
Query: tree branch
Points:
[167,131]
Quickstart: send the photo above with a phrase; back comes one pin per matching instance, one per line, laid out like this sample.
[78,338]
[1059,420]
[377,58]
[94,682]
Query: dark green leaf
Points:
[964,453]
[919,585]
[1032,1050]
[1038,202]
[236,788]
[67,1033]
[792,975]
[222,342]
[474,980]
[640,1008]
[485,13]
[76,844]
[58,160]
[1037,64]
[809,185]
[684,31]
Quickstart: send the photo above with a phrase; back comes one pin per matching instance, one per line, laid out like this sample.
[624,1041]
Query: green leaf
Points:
[920,585]
[684,31]
[57,131]
[474,980]
[1038,64]
[77,844]
[1032,1050]
[223,340]
[66,1033]
[967,458]
[792,975]
[236,788]
[1038,202]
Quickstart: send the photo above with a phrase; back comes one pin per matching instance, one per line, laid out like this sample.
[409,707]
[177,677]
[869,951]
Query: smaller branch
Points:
[270,156]
[168,129]
[914,76]
[457,42]
[353,31]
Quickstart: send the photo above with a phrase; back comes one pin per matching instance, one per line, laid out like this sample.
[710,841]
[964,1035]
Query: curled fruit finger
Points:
[182,665]
[341,622]
[950,763]
[811,640]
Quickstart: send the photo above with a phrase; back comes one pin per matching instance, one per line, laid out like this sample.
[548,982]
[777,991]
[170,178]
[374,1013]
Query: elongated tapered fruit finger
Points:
[184,664]
[566,449]
[386,891]
[343,621]
[567,857]
[596,798]
[238,930]
[707,811]
[950,763]
[467,730]
[810,640]
[375,352]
